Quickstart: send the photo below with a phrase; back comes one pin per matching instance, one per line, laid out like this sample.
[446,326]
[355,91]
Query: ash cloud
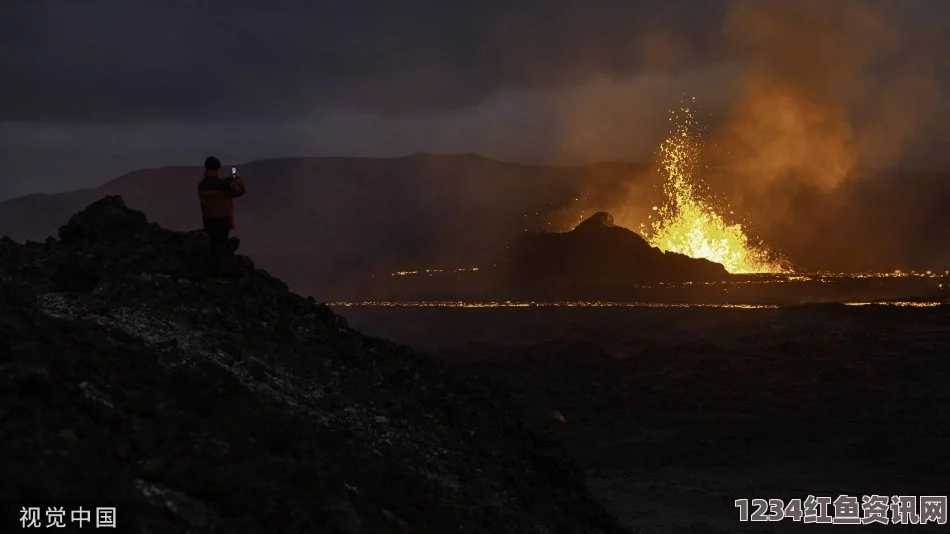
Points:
[828,88]
[833,95]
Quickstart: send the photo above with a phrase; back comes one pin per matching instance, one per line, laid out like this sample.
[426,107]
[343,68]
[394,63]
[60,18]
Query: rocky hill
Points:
[207,404]
[597,253]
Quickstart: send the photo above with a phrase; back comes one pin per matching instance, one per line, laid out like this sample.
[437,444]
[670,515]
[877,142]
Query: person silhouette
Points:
[216,195]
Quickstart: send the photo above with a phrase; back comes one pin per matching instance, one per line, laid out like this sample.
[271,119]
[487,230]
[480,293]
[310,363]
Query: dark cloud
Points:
[114,60]
[91,89]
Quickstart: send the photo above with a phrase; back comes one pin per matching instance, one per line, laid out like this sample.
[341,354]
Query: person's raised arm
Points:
[237,187]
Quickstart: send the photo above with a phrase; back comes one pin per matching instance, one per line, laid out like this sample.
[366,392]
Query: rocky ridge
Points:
[209,404]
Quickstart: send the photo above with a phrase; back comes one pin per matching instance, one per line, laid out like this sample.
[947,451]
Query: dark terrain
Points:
[594,260]
[129,377]
[233,405]
[596,252]
[675,413]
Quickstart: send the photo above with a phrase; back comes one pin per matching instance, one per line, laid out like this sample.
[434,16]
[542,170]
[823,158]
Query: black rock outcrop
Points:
[597,253]
[203,404]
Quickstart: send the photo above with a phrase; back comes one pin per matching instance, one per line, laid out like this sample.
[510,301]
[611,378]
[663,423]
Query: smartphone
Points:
[233,171]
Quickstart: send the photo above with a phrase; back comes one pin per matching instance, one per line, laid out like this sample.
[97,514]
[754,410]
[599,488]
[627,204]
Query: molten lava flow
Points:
[688,223]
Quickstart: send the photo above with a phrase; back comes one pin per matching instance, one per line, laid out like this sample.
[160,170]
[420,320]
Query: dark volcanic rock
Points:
[598,253]
[202,404]
[597,221]
[107,218]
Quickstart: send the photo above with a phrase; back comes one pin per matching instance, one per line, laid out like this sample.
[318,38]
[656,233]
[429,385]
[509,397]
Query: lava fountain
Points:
[688,222]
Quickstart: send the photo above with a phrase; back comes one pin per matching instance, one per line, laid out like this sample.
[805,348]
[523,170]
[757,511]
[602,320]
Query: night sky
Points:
[94,89]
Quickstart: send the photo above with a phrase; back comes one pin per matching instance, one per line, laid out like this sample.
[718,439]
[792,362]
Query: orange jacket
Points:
[217,195]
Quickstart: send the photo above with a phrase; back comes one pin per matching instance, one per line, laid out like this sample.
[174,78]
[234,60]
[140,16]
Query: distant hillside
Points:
[324,224]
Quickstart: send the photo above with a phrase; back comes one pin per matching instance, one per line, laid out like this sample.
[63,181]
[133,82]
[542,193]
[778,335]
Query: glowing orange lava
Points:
[688,222]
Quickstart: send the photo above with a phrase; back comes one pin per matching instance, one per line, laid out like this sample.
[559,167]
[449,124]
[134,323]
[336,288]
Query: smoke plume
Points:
[831,93]
[835,105]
